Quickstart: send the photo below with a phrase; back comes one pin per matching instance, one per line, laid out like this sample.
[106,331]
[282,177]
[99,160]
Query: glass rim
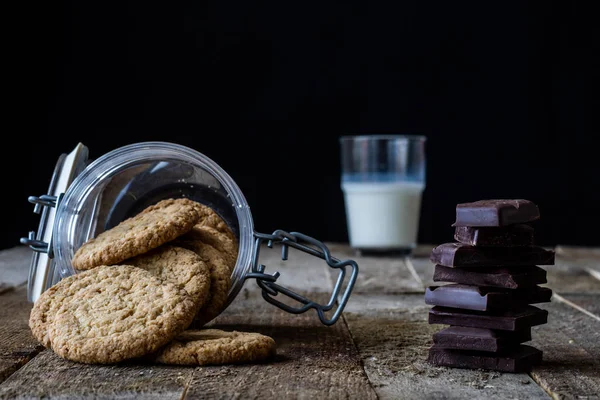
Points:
[382,137]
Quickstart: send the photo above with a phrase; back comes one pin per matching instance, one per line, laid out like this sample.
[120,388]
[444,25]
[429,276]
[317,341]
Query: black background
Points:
[503,90]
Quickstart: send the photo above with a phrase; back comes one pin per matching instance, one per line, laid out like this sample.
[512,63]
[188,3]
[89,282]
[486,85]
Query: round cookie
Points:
[156,225]
[220,280]
[214,346]
[45,308]
[208,217]
[121,312]
[179,266]
[218,240]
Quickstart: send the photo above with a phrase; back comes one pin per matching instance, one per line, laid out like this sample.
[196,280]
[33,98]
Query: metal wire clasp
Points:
[270,289]
[33,240]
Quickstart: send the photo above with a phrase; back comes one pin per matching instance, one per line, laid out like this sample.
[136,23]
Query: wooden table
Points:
[377,350]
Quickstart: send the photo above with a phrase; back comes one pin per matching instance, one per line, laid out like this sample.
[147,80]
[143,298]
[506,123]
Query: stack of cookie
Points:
[495,278]
[141,285]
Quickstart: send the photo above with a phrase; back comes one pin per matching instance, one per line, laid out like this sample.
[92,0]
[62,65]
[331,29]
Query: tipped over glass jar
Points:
[86,198]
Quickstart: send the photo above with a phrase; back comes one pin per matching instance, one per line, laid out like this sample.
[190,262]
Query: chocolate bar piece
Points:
[504,277]
[496,213]
[520,359]
[514,320]
[477,339]
[513,235]
[463,255]
[485,299]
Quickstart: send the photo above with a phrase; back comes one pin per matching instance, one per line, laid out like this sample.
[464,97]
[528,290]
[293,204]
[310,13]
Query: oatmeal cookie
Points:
[120,312]
[214,346]
[149,229]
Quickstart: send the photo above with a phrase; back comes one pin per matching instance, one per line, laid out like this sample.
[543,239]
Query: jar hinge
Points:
[296,240]
[33,239]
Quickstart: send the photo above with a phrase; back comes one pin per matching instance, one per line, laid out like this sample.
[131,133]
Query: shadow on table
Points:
[282,334]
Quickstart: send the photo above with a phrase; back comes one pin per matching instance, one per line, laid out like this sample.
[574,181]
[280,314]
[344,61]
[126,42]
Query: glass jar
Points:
[86,199]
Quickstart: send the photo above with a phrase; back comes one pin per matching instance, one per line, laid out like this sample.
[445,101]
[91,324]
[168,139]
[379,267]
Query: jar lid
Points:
[41,272]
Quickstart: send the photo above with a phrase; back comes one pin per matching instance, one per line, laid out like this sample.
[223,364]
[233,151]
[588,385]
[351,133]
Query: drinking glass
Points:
[383,178]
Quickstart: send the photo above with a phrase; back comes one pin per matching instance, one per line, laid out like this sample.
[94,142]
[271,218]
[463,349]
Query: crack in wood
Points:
[411,268]
[549,391]
[575,306]
[23,358]
[186,387]
[362,364]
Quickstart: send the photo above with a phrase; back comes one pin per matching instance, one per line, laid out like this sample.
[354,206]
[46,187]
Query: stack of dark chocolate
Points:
[494,275]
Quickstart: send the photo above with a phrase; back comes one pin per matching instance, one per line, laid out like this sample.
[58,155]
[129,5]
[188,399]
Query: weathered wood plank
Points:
[582,330]
[300,271]
[420,265]
[313,360]
[572,279]
[393,338]
[568,277]
[586,257]
[17,345]
[424,270]
[571,345]
[390,331]
[14,266]
[582,262]
[423,250]
[49,376]
[384,274]
[584,301]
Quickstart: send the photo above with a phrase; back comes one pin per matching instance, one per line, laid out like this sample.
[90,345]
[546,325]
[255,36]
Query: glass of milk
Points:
[383,178]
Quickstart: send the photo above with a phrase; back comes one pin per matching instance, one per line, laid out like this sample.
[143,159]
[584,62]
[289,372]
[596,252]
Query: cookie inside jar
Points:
[126,182]
[174,239]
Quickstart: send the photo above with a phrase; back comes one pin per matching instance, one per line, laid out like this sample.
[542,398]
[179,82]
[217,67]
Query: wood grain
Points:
[393,338]
[380,274]
[586,301]
[313,361]
[14,266]
[381,355]
[424,270]
[17,345]
[567,277]
[571,345]
[300,271]
[586,257]
[577,270]
[49,376]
